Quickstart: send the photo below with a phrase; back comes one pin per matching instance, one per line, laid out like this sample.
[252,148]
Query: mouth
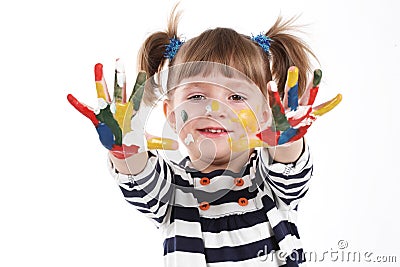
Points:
[213,132]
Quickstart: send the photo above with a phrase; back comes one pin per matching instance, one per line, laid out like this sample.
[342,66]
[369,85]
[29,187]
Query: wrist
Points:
[287,153]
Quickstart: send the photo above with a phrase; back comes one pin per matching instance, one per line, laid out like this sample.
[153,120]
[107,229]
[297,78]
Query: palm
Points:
[293,118]
[113,118]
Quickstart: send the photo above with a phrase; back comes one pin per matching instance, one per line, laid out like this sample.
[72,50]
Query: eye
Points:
[196,97]
[237,98]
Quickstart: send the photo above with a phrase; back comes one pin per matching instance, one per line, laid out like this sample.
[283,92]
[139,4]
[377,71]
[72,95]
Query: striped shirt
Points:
[223,218]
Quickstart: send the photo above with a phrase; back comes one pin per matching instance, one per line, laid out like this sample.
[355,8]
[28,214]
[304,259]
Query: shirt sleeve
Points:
[289,182]
[149,191]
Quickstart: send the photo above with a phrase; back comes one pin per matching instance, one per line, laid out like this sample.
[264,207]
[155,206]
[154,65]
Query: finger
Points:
[119,82]
[138,89]
[101,86]
[244,144]
[310,94]
[82,108]
[278,112]
[154,142]
[327,106]
[123,115]
[291,97]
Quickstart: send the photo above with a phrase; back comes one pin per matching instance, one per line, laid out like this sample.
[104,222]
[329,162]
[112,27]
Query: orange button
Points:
[204,205]
[204,181]
[239,181]
[243,201]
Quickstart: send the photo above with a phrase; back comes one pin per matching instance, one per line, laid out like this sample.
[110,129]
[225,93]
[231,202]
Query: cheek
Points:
[187,111]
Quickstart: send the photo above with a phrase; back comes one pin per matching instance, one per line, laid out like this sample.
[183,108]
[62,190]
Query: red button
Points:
[239,181]
[204,181]
[243,201]
[204,205]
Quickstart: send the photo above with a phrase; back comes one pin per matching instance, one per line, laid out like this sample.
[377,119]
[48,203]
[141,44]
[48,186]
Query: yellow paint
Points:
[327,106]
[161,143]
[245,144]
[123,115]
[293,76]
[214,105]
[248,120]
[100,91]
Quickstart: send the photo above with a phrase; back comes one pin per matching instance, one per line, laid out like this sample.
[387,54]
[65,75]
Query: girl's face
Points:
[211,113]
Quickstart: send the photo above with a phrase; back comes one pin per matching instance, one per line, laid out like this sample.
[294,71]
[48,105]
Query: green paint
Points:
[281,122]
[117,93]
[184,116]
[317,77]
[107,117]
[138,89]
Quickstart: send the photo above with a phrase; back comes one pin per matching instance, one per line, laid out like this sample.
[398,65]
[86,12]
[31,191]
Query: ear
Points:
[169,113]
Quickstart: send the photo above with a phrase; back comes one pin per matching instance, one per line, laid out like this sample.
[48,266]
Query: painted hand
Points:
[293,118]
[119,130]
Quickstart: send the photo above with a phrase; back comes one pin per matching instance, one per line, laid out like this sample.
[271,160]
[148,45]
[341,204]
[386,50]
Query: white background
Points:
[60,207]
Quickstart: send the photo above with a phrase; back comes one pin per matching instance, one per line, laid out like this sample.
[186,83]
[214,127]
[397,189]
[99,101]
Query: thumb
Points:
[83,109]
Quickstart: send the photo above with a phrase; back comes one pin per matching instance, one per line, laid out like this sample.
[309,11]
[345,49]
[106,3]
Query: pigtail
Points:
[151,56]
[288,50]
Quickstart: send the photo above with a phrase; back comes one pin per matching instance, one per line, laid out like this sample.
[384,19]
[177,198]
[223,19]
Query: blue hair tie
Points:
[263,41]
[172,48]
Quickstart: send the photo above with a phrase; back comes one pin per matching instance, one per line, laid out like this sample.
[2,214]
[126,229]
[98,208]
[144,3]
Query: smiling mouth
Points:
[213,132]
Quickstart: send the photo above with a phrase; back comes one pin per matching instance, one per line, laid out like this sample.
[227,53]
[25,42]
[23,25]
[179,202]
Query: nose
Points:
[216,109]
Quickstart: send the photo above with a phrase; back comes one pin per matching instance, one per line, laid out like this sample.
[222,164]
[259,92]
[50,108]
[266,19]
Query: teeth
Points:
[214,130]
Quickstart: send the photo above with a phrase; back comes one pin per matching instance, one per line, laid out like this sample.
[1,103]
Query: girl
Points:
[233,201]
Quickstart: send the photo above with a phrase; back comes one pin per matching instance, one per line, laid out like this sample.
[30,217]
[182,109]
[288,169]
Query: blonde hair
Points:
[228,47]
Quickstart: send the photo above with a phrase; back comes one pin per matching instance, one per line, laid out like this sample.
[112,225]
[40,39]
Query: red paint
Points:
[85,110]
[293,122]
[313,95]
[275,99]
[124,151]
[98,72]
[300,133]
[269,136]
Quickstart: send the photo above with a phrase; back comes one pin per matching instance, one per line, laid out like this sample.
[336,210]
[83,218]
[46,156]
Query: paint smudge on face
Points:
[214,105]
[184,116]
[189,139]
[248,120]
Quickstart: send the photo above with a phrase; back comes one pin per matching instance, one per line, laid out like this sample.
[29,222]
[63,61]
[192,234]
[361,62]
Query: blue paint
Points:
[105,134]
[293,97]
[286,136]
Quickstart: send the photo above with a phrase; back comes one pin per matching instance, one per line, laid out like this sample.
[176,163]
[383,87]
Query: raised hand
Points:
[293,118]
[119,130]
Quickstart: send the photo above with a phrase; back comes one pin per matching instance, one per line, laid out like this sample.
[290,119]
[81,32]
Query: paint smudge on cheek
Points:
[189,139]
[184,116]
[248,120]
[214,105]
